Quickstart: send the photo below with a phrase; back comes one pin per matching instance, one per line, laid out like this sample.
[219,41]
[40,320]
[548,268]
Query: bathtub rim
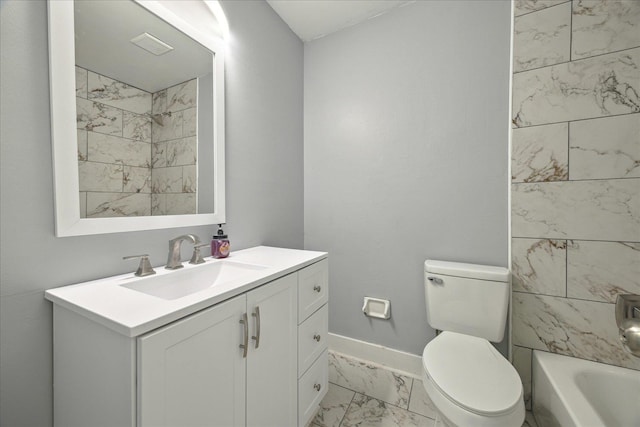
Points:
[578,411]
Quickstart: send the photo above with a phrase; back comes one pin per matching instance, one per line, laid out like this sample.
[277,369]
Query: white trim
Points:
[404,363]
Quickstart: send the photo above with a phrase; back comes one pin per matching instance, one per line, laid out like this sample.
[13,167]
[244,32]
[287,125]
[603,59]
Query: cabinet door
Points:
[272,361]
[192,373]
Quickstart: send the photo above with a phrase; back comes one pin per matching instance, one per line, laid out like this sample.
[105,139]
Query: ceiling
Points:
[312,19]
[103,30]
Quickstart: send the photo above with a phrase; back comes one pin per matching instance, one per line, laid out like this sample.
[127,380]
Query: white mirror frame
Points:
[64,134]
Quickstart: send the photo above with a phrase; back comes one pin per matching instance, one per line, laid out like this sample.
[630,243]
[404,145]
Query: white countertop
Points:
[134,313]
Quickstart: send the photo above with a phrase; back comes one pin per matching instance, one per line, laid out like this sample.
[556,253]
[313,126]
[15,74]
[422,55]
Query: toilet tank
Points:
[469,299]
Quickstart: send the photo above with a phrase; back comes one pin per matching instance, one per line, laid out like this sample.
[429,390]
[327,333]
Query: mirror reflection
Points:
[144,103]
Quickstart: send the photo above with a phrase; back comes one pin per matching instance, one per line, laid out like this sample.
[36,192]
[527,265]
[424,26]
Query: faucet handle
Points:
[144,269]
[196,258]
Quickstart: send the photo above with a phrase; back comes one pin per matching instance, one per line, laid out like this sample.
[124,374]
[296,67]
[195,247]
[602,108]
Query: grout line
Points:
[576,180]
[577,240]
[565,297]
[348,406]
[574,120]
[410,393]
[571,32]
[573,60]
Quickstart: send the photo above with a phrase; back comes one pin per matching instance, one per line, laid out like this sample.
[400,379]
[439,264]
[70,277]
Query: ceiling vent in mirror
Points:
[151,44]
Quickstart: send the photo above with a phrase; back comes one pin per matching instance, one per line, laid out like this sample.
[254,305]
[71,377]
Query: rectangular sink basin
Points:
[183,282]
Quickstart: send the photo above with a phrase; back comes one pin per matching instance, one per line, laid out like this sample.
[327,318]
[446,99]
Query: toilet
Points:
[468,380]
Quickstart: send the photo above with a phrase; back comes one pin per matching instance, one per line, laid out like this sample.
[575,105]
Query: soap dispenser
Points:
[220,246]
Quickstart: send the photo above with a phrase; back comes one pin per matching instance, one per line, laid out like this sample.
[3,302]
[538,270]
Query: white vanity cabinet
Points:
[313,355]
[193,371]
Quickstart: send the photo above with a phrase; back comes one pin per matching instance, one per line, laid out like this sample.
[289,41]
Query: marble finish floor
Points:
[367,395]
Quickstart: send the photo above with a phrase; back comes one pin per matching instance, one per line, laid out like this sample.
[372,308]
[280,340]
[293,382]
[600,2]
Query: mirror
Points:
[137,106]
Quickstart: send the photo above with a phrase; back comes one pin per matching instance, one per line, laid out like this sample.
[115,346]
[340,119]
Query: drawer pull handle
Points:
[245,341]
[316,337]
[317,288]
[317,387]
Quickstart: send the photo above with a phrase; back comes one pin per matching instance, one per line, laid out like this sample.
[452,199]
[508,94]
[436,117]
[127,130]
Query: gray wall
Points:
[264,185]
[405,157]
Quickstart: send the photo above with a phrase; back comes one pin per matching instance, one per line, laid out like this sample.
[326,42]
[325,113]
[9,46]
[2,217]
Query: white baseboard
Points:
[395,360]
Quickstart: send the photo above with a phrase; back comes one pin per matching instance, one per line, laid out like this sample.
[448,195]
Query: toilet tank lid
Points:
[472,271]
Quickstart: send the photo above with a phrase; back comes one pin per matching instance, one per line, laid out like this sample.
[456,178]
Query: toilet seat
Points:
[472,374]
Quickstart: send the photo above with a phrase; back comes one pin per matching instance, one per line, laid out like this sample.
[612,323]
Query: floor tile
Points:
[420,402]
[369,379]
[333,406]
[366,411]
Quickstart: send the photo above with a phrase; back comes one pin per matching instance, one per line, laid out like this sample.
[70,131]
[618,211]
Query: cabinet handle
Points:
[317,288]
[316,337]
[256,337]
[317,386]
[245,341]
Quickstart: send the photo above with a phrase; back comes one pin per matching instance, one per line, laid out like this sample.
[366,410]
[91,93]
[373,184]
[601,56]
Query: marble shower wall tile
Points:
[189,179]
[605,148]
[98,117]
[82,144]
[136,180]
[583,89]
[171,127]
[366,378]
[81,82]
[368,411]
[100,176]
[180,204]
[158,204]
[136,126]
[599,271]
[102,205]
[542,38]
[584,210]
[182,96]
[522,363]
[182,152]
[159,102]
[166,180]
[602,26]
[539,266]
[118,94]
[113,149]
[572,327]
[159,155]
[190,122]
[539,153]
[521,7]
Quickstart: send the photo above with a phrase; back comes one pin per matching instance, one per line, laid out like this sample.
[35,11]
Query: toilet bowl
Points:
[470,383]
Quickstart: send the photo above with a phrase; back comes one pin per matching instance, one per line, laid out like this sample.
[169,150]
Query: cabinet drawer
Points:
[312,338]
[312,387]
[313,289]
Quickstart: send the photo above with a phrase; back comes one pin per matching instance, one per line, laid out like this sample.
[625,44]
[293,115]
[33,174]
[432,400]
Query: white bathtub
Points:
[570,392]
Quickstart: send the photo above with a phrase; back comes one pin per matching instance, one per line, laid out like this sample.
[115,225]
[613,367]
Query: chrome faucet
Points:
[173,261]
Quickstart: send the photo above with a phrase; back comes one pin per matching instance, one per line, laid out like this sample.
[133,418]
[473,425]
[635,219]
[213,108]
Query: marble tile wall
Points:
[575,177]
[174,151]
[137,151]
